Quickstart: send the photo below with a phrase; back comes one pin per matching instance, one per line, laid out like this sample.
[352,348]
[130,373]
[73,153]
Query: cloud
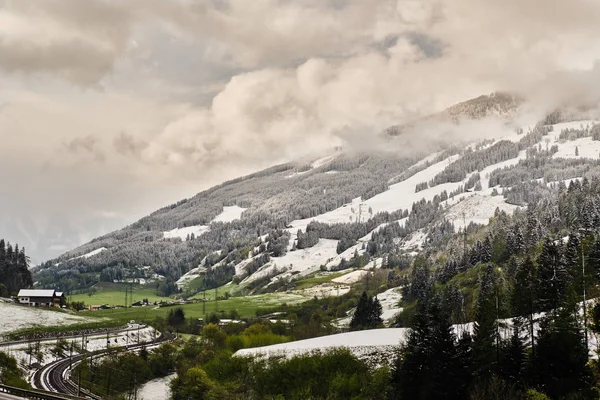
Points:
[188,93]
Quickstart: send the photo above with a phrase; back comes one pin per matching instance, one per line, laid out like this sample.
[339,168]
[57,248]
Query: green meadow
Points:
[114,294]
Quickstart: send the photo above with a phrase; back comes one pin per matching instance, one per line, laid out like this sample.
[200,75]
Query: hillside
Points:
[267,231]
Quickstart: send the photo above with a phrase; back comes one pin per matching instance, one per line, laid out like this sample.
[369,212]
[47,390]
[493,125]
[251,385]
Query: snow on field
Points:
[389,303]
[585,148]
[322,161]
[346,255]
[303,261]
[183,233]
[485,173]
[324,290]
[189,276]
[415,241]
[376,263]
[399,196]
[227,215]
[91,253]
[230,214]
[30,317]
[477,208]
[156,389]
[361,343]
[351,277]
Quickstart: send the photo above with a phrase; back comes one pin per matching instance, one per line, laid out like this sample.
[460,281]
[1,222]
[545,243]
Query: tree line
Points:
[14,269]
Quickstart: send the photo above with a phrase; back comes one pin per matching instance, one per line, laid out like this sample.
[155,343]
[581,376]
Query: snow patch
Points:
[156,389]
[183,233]
[229,214]
[16,317]
[477,209]
[304,261]
[90,254]
[389,303]
[351,277]
[359,343]
[584,147]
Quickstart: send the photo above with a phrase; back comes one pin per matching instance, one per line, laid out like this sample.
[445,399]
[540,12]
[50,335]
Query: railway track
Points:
[55,377]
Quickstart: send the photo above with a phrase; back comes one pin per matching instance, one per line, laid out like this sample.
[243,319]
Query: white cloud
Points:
[115,100]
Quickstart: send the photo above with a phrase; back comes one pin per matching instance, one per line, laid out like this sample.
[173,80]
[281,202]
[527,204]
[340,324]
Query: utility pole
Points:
[71,356]
[108,383]
[204,303]
[91,370]
[216,300]
[464,240]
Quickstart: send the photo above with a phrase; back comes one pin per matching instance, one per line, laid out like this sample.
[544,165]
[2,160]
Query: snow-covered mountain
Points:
[342,210]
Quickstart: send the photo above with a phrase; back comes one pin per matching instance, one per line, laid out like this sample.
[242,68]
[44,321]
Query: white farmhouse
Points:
[40,297]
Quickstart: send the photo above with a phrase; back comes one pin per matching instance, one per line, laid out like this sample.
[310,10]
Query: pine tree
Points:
[523,298]
[367,314]
[410,371]
[553,276]
[420,286]
[431,365]
[560,362]
[485,350]
[513,356]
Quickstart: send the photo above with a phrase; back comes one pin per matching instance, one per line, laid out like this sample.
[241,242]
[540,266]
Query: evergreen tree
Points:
[552,275]
[485,341]
[14,268]
[410,371]
[560,362]
[513,355]
[523,296]
[432,365]
[367,314]
[420,285]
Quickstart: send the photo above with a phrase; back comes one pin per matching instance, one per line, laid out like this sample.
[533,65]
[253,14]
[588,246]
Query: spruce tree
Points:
[367,314]
[410,371]
[560,362]
[513,355]
[552,275]
[485,351]
[523,298]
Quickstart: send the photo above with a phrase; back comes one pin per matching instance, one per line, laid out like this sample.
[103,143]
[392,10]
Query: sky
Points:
[111,109]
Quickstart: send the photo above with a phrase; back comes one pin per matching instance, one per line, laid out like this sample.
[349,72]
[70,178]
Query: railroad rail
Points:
[35,394]
[54,375]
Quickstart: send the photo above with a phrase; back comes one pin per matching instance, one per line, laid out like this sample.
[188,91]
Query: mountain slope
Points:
[342,211]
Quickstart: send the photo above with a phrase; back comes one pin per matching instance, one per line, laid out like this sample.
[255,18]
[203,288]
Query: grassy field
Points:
[114,294]
[245,306]
[318,279]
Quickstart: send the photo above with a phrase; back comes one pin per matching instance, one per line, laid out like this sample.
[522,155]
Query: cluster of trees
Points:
[477,160]
[306,240]
[494,361]
[273,199]
[10,373]
[522,280]
[121,372]
[14,269]
[367,314]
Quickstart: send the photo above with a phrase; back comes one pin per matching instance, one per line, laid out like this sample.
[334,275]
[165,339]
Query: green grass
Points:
[245,306]
[231,288]
[114,294]
[317,280]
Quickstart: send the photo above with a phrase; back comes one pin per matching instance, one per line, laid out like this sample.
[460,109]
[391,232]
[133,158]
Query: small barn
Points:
[40,297]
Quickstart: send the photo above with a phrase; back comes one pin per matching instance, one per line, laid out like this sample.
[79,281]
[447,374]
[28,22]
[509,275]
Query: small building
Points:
[39,297]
